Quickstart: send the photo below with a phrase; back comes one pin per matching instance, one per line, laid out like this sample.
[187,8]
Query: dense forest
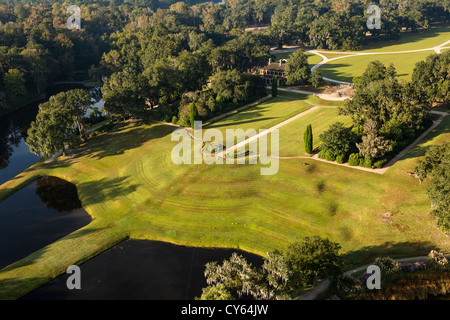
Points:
[153,52]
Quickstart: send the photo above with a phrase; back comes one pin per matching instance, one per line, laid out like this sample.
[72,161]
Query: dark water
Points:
[39,214]
[138,269]
[15,155]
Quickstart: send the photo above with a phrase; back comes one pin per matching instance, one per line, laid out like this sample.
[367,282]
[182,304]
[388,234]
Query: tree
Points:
[372,143]
[124,94]
[297,68]
[15,83]
[316,78]
[308,139]
[219,292]
[193,114]
[274,86]
[236,275]
[313,258]
[272,282]
[433,77]
[337,140]
[76,102]
[436,164]
[51,131]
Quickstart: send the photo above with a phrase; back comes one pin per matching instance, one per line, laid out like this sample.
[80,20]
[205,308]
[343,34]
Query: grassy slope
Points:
[227,205]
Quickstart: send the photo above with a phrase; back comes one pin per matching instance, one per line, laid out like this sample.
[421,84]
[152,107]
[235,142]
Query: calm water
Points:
[138,269]
[39,214]
[15,155]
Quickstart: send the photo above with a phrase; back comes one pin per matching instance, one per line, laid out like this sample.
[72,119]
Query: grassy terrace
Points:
[346,68]
[127,182]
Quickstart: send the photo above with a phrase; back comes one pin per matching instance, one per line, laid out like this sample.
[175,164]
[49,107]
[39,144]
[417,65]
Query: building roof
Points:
[275,66]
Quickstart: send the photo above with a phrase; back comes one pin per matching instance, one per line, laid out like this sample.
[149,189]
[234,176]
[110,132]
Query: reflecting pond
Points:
[37,215]
[140,269]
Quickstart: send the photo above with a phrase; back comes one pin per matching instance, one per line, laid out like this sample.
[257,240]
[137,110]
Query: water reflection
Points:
[58,194]
[39,214]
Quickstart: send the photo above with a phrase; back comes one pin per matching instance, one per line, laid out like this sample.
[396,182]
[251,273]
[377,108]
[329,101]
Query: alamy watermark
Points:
[73,281]
[74,21]
[208,147]
[374,280]
[374,21]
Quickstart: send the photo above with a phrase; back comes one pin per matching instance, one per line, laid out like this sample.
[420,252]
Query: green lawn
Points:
[261,116]
[422,39]
[127,182]
[346,68]
[291,135]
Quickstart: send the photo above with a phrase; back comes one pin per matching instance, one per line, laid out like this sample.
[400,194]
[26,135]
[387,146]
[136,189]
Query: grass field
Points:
[291,135]
[422,39]
[346,68]
[129,185]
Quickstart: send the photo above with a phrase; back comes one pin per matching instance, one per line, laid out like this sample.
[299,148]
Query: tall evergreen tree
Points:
[308,139]
[193,112]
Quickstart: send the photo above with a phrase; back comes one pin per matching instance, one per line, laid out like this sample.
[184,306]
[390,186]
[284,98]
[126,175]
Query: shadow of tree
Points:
[122,139]
[97,191]
[368,254]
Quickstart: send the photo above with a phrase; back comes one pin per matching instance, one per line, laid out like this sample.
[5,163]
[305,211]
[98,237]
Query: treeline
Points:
[139,36]
[37,48]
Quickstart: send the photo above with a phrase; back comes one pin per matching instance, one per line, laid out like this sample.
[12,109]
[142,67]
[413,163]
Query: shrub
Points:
[340,158]
[367,161]
[174,119]
[166,118]
[321,154]
[345,286]
[437,260]
[379,163]
[390,268]
[361,162]
[353,159]
[329,155]
[413,267]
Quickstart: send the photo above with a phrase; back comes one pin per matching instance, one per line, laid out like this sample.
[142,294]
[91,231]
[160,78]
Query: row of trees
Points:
[37,48]
[281,275]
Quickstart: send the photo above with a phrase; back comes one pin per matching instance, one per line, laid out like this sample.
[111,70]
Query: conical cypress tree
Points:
[308,139]
[193,112]
[274,86]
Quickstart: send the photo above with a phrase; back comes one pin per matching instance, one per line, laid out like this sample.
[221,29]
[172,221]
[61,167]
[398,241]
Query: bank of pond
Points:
[48,209]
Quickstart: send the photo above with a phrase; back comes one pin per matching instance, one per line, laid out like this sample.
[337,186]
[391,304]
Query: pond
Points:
[140,269]
[15,155]
[37,215]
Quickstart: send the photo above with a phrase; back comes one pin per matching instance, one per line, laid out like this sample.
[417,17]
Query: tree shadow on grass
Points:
[122,139]
[420,149]
[390,249]
[331,70]
[105,189]
[245,116]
